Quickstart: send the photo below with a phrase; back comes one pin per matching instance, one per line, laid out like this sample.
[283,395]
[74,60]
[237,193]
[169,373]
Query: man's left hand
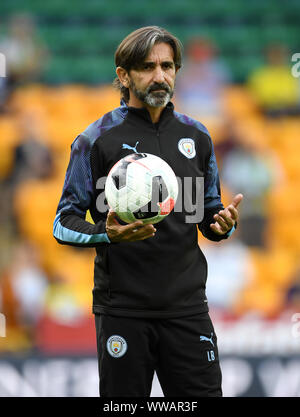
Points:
[225,219]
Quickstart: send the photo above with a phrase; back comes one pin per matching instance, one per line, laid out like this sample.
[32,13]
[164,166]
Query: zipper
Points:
[158,136]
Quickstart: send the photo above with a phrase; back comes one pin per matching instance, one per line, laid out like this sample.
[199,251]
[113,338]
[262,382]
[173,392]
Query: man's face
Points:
[153,82]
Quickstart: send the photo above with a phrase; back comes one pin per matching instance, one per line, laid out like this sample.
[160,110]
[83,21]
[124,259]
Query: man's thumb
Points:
[237,199]
[110,215]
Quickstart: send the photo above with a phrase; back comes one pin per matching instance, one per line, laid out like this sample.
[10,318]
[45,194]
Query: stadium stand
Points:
[74,90]
[92,30]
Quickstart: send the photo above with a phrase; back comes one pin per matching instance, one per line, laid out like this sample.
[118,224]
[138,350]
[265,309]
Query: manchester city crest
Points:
[116,346]
[187,147]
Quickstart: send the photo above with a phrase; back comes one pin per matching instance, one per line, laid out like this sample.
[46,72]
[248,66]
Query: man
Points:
[149,299]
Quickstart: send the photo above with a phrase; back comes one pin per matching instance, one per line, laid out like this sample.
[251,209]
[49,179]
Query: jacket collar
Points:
[142,112]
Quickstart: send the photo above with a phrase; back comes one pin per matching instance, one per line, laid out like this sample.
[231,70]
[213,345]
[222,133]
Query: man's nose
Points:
[158,76]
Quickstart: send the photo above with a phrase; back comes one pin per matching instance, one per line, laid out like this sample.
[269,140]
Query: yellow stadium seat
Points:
[265,299]
[239,103]
[271,277]
[284,201]
[10,137]
[35,206]
[287,232]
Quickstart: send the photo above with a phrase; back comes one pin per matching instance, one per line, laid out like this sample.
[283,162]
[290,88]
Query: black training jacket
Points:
[163,276]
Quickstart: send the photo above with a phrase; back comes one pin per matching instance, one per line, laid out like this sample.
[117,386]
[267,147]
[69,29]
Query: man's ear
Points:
[123,76]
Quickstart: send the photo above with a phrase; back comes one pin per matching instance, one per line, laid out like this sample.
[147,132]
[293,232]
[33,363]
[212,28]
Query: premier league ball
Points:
[143,187]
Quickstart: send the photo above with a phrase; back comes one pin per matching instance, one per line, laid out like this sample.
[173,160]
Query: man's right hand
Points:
[116,232]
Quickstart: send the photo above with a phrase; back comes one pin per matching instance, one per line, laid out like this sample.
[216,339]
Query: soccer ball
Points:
[141,186]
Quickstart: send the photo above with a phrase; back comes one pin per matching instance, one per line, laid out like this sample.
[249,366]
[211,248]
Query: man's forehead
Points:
[160,51]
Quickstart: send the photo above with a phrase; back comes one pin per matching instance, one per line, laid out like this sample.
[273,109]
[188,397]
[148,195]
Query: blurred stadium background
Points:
[238,79]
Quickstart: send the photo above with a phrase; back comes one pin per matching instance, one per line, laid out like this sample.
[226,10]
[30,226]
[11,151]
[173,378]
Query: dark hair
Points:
[134,49]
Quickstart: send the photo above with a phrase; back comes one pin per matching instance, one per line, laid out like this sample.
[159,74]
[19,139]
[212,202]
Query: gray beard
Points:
[153,98]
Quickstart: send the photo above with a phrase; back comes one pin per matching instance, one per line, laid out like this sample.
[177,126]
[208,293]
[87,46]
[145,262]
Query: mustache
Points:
[159,86]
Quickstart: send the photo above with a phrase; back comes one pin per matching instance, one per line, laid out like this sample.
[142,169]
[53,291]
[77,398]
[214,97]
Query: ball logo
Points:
[187,147]
[116,346]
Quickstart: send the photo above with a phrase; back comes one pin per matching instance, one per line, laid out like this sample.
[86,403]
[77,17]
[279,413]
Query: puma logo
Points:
[207,339]
[133,148]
